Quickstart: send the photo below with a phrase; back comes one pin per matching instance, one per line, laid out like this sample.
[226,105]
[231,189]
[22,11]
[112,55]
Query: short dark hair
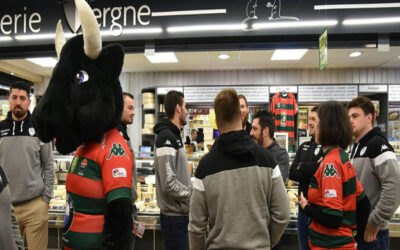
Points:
[126,94]
[266,120]
[334,125]
[227,106]
[21,85]
[315,108]
[365,104]
[172,98]
[244,98]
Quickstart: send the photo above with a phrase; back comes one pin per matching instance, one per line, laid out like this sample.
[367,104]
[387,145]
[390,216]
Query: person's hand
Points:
[302,201]
[370,233]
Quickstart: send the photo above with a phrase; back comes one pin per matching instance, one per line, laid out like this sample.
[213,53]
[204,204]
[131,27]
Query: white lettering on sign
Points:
[114,15]
[394,93]
[276,89]
[255,94]
[373,88]
[12,23]
[323,93]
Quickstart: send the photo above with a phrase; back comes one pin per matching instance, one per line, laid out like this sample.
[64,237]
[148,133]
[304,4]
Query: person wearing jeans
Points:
[173,185]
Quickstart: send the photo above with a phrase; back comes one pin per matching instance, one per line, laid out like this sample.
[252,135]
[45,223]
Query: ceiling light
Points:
[4,87]
[12,73]
[295,24]
[47,62]
[288,54]
[199,28]
[355,54]
[223,56]
[369,21]
[162,57]
[370,45]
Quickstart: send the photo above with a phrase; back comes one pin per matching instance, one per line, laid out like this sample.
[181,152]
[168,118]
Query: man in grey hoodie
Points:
[378,171]
[262,133]
[173,185]
[28,165]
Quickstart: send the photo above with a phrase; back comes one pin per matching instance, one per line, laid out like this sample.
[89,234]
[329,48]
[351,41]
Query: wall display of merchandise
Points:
[4,107]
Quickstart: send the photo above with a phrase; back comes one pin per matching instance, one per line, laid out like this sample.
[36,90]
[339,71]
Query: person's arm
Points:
[308,169]
[388,172]
[294,171]
[317,214]
[283,163]
[362,214]
[279,208]
[169,183]
[46,159]
[198,216]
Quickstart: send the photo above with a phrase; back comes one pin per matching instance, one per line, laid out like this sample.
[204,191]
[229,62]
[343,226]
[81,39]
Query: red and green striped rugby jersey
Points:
[284,108]
[336,189]
[99,174]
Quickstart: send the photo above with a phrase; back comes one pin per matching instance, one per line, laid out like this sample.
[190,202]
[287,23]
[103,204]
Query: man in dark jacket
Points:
[237,189]
[244,113]
[263,134]
[302,169]
[128,114]
[173,185]
[378,171]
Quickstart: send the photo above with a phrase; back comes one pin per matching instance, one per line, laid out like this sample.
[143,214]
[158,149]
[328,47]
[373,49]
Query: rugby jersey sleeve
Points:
[332,188]
[117,171]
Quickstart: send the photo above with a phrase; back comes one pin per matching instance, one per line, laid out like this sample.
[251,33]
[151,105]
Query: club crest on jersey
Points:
[83,165]
[316,151]
[330,171]
[31,131]
[117,151]
[119,172]
[362,152]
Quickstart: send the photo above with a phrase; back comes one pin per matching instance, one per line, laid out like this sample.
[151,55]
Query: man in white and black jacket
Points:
[378,171]
[28,165]
[303,167]
[173,185]
[238,189]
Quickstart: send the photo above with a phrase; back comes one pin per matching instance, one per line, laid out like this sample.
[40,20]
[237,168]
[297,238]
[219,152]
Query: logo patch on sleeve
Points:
[119,172]
[330,171]
[117,151]
[330,193]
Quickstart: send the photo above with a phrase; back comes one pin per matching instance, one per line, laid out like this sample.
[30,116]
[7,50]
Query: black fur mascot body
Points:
[81,108]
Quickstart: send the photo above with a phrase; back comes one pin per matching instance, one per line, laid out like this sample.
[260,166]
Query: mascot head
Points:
[84,96]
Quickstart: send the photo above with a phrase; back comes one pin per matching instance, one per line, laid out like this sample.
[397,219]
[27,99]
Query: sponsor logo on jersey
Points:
[119,172]
[362,152]
[168,142]
[117,151]
[330,171]
[330,193]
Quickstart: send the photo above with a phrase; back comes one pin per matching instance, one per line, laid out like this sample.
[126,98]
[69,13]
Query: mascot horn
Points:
[80,109]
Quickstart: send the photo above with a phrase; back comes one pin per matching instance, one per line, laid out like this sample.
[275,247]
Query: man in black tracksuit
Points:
[302,169]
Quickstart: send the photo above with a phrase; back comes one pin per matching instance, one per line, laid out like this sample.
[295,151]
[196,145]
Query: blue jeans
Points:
[303,223]
[175,232]
[382,242]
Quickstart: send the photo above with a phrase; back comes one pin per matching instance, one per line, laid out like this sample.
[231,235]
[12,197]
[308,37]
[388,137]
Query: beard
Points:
[19,113]
[182,120]
[259,140]
[245,118]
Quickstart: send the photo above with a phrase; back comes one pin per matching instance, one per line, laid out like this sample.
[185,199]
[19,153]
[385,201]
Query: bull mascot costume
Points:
[80,109]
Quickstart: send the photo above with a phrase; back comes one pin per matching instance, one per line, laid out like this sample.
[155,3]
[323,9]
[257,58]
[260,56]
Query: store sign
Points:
[323,50]
[323,93]
[253,94]
[373,88]
[33,22]
[276,89]
[394,93]
[164,91]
